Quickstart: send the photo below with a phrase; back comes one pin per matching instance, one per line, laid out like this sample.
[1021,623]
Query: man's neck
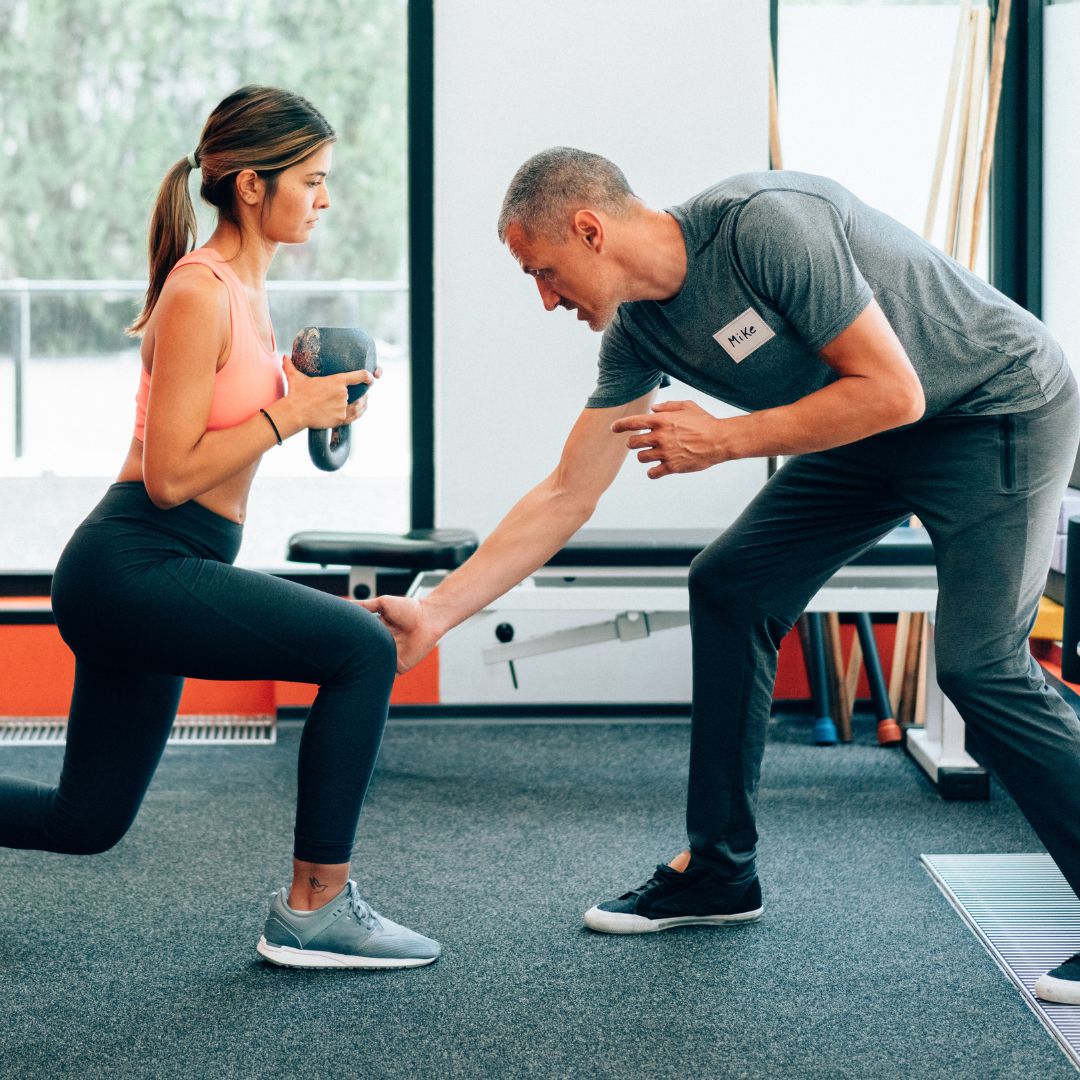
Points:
[657,256]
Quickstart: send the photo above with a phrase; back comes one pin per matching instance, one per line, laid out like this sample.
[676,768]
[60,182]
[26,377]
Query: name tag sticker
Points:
[744,334]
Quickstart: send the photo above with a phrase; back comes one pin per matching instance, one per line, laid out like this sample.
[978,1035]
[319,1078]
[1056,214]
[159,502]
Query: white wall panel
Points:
[676,94]
[862,98]
[1061,176]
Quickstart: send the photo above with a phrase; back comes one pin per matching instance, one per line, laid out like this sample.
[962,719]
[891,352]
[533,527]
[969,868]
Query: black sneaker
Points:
[670,898]
[1062,984]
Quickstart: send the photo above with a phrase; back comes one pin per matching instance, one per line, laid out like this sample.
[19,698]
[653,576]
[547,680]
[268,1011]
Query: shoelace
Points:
[663,872]
[360,908]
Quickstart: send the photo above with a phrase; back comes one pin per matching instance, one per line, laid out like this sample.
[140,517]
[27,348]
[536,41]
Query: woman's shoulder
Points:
[192,296]
[195,283]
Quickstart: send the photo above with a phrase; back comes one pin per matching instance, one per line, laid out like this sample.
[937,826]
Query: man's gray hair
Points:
[554,183]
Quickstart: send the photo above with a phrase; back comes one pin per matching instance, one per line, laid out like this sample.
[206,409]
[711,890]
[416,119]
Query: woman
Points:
[145,592]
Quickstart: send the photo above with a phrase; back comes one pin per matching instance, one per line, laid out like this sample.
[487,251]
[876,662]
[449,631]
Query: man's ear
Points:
[249,187]
[589,228]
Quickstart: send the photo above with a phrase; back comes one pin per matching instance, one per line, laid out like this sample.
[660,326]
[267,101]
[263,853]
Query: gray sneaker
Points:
[344,933]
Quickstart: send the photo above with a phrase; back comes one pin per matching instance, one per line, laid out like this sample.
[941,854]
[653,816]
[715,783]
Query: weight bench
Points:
[643,576]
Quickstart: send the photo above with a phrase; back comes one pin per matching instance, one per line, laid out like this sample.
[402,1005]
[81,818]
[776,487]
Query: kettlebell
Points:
[327,350]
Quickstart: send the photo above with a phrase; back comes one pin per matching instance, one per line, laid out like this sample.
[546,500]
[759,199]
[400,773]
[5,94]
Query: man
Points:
[900,382]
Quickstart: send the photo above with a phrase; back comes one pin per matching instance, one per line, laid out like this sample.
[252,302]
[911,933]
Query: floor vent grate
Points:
[1026,916]
[187,731]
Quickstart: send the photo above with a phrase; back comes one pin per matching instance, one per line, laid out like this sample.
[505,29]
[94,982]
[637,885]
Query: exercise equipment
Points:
[888,730]
[638,579]
[330,350]
[833,688]
[812,636]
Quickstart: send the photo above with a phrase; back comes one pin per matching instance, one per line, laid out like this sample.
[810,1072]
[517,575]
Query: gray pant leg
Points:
[989,490]
[746,591]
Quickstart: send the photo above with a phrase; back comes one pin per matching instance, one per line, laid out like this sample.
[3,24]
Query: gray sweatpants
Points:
[988,489]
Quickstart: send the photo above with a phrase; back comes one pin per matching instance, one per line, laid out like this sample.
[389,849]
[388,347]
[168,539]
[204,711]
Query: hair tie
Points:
[192,160]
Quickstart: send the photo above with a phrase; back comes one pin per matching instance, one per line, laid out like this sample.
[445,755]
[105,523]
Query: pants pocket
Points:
[1008,453]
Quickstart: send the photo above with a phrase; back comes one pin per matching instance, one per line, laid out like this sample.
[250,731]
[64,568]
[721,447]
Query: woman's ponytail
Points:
[173,229]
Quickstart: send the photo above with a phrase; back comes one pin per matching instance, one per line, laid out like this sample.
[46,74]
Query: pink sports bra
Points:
[251,377]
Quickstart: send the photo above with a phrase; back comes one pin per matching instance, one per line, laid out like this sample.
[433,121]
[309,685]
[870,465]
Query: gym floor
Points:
[494,837]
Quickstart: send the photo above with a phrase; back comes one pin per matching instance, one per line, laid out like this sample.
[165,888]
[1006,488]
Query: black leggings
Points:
[145,597]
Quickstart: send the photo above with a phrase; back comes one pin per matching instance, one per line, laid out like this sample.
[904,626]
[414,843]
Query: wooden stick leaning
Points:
[997,72]
[776,157]
[962,32]
[854,669]
[964,249]
[919,719]
[905,713]
[961,137]
[896,671]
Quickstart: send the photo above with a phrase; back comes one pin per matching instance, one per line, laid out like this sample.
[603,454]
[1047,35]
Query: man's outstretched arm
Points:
[535,528]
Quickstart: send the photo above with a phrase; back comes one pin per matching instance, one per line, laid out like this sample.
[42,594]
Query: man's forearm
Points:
[534,529]
[840,413]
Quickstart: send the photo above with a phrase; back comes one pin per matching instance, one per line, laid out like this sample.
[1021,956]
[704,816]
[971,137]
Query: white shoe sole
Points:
[286,956]
[1060,991]
[614,922]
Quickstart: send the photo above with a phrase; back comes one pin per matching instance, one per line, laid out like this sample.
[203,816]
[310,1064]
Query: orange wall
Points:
[791,681]
[37,670]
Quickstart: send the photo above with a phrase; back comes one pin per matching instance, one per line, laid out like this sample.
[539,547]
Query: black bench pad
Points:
[677,547]
[419,549]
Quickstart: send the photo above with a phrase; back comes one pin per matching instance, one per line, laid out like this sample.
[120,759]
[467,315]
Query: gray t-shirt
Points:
[778,264]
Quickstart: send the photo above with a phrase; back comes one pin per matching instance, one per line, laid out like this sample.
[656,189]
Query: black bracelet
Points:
[270,421]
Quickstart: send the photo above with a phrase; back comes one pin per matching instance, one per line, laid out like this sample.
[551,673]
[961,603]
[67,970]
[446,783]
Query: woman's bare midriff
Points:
[228,499]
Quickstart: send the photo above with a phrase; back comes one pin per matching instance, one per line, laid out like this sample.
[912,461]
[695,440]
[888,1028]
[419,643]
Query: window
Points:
[862,94]
[1061,164]
[116,93]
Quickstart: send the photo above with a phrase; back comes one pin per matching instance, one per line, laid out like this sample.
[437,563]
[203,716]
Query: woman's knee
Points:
[87,835]
[368,649]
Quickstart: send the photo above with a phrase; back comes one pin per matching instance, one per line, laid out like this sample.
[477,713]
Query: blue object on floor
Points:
[817,670]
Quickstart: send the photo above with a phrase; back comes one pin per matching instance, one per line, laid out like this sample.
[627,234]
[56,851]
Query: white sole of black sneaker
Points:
[614,922]
[1059,991]
[285,956]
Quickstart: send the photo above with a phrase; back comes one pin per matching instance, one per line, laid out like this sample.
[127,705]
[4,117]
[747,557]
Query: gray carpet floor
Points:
[494,838]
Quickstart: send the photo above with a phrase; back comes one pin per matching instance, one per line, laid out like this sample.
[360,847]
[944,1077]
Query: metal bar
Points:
[1033,185]
[555,641]
[15,336]
[21,290]
[61,286]
[1016,178]
[421,118]
[594,633]
[21,359]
